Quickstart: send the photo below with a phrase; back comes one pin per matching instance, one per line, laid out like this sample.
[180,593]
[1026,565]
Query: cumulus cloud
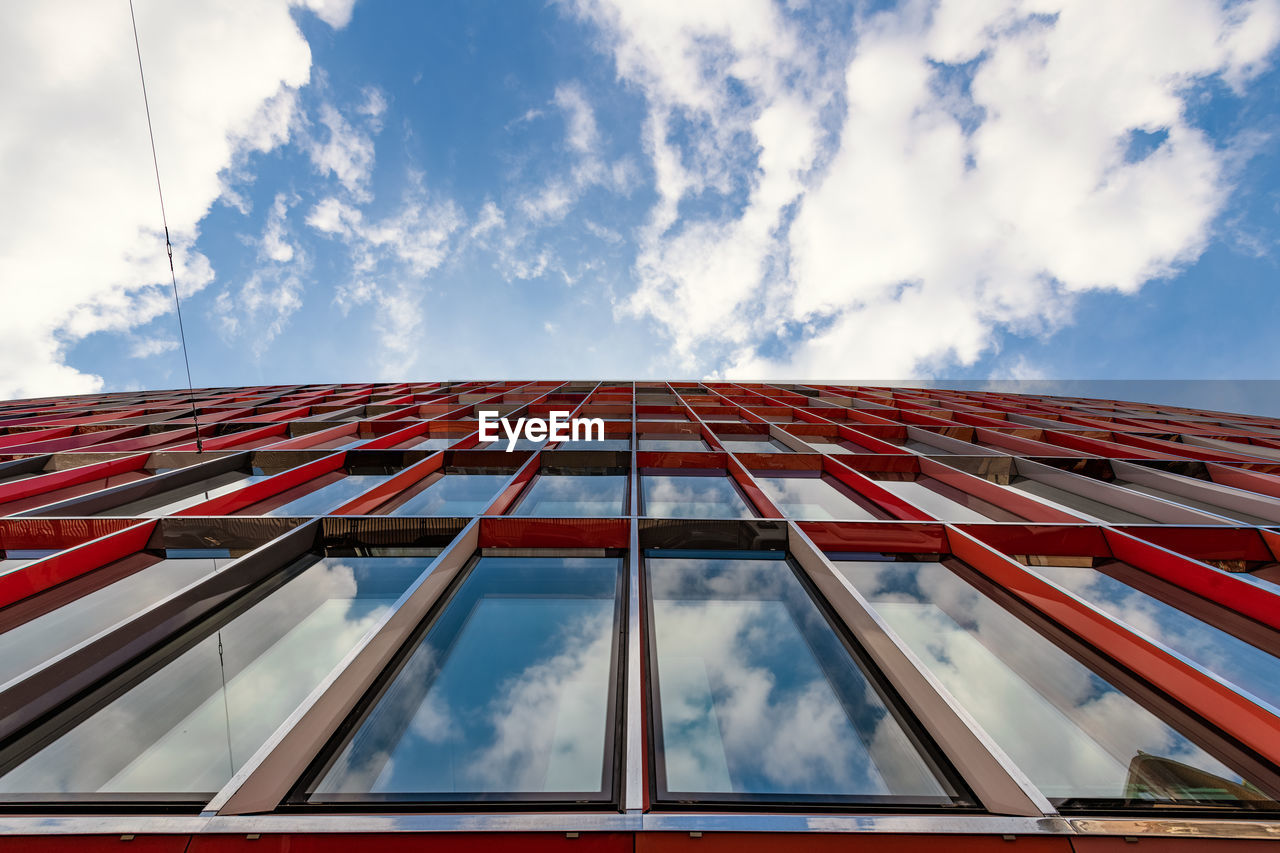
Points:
[391,258]
[883,201]
[80,248]
[258,309]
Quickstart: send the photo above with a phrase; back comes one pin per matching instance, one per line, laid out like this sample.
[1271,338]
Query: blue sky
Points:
[1015,189]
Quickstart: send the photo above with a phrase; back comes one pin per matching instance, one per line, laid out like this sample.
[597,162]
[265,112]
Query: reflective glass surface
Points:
[53,632]
[815,498]
[758,698]
[928,494]
[454,494]
[434,443]
[829,446]
[183,732]
[1216,509]
[603,444]
[503,442]
[1245,667]
[1076,736]
[328,497]
[174,500]
[761,445]
[14,559]
[692,497]
[571,495]
[1086,508]
[677,445]
[507,694]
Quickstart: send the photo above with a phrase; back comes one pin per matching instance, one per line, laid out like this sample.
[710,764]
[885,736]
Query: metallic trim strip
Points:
[275,769]
[355,824]
[999,784]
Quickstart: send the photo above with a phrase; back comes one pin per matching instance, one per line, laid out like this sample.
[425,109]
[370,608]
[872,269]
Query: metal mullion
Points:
[264,781]
[1001,787]
[635,788]
[757,498]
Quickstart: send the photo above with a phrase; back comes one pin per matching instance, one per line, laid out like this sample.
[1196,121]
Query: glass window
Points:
[502,443]
[833,445]
[167,503]
[182,733]
[926,448]
[677,445]
[572,495]
[944,502]
[1086,508]
[754,445]
[509,693]
[435,443]
[758,699]
[1195,503]
[1245,667]
[603,444]
[13,559]
[817,498]
[328,497]
[454,494]
[44,630]
[1077,737]
[693,497]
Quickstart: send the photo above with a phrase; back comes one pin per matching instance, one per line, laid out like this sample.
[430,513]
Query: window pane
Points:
[435,443]
[1245,667]
[676,445]
[693,497]
[167,503]
[603,444]
[761,445]
[185,730]
[574,495]
[454,494]
[1074,734]
[1086,508]
[926,494]
[1195,503]
[507,693]
[759,698]
[328,497]
[48,633]
[815,498]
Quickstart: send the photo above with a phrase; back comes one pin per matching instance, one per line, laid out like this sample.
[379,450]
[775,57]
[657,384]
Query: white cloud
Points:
[391,259]
[147,347]
[79,245]
[346,153]
[258,311]
[885,218]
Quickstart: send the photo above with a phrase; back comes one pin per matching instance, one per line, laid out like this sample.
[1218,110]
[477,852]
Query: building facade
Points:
[726,616]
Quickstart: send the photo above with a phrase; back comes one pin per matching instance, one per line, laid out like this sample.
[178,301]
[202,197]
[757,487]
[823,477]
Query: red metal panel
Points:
[877,536]
[1203,580]
[980,487]
[1229,711]
[60,568]
[71,477]
[238,439]
[252,494]
[510,532]
[56,533]
[385,491]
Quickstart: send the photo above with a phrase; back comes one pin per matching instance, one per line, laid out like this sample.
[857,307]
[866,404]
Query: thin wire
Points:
[168,245]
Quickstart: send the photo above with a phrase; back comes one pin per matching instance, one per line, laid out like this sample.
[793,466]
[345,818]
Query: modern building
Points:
[746,617]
